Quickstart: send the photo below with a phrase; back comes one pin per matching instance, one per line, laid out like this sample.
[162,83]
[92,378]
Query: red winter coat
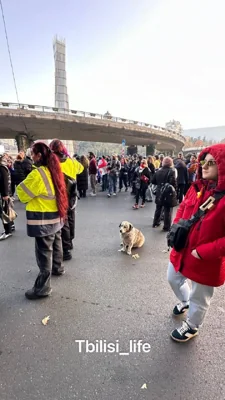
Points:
[207,236]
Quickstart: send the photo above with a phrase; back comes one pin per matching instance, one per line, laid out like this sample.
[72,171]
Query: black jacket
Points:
[182,173]
[19,174]
[27,166]
[164,175]
[137,175]
[82,180]
[4,181]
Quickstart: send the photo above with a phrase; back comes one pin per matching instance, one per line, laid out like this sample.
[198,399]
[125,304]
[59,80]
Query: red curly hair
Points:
[51,161]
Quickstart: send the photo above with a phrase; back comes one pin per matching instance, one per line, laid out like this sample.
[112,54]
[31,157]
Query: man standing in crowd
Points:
[113,169]
[92,172]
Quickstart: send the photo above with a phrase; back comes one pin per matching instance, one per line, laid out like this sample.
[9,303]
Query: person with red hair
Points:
[70,168]
[44,191]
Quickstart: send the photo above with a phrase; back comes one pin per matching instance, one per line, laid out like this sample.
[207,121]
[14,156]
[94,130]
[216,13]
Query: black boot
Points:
[67,255]
[32,295]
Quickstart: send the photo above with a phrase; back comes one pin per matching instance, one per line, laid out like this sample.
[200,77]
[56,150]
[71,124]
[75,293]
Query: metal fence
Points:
[85,114]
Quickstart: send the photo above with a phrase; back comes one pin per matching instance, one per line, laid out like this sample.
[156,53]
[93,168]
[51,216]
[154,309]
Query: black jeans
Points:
[141,192]
[82,193]
[167,216]
[123,181]
[7,227]
[104,182]
[48,252]
[180,192]
[68,231]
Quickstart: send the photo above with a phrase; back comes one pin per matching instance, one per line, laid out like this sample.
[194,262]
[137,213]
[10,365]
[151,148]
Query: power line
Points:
[10,58]
[11,63]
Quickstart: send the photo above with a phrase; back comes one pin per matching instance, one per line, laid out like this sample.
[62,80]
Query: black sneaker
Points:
[184,333]
[32,295]
[67,256]
[180,309]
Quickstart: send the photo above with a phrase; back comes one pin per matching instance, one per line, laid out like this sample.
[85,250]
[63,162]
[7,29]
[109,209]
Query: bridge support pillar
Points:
[23,142]
[131,150]
[150,150]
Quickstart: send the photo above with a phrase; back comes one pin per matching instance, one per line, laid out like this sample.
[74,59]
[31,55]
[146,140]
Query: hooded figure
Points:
[203,259]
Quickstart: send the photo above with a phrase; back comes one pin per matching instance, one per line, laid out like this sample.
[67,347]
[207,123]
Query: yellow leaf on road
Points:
[144,386]
[45,320]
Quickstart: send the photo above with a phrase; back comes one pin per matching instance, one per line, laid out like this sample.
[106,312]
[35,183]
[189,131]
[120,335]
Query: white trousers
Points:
[198,297]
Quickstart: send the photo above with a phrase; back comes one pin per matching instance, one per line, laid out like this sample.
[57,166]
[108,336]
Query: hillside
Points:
[214,133]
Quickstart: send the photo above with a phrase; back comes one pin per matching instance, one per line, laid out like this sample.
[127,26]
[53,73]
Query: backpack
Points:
[167,196]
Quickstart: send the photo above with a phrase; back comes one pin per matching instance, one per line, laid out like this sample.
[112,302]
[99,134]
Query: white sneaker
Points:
[93,194]
[114,194]
[109,195]
[5,236]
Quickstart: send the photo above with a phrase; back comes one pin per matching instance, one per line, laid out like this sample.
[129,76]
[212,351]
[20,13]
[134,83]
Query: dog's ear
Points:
[130,227]
[120,224]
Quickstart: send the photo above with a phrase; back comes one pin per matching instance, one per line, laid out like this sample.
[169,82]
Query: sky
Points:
[146,60]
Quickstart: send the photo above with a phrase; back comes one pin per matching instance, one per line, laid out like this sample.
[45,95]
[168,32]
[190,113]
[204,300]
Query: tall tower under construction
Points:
[61,96]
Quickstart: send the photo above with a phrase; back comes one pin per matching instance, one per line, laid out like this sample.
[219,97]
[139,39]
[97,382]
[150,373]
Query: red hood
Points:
[218,152]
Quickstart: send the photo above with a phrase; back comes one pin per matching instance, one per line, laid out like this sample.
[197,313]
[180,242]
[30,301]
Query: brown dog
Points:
[130,237]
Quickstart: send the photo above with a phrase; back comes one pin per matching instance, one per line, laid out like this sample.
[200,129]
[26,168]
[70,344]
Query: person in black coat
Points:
[5,189]
[142,179]
[82,179]
[27,163]
[123,175]
[182,179]
[19,174]
[164,175]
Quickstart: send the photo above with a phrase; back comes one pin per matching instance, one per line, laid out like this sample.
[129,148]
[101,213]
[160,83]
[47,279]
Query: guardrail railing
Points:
[85,114]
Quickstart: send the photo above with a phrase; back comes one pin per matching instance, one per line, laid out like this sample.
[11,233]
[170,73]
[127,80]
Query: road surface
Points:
[104,295]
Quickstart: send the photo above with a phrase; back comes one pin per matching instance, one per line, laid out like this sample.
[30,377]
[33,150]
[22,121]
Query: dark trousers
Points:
[68,231]
[7,227]
[112,183]
[48,252]
[141,192]
[82,193]
[123,181]
[180,192]
[167,216]
[104,182]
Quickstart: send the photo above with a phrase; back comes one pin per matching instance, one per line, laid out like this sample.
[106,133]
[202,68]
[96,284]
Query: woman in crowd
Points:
[82,179]
[44,191]
[143,176]
[70,168]
[19,175]
[203,258]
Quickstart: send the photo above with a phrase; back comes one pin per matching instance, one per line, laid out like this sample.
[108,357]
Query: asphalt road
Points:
[103,295]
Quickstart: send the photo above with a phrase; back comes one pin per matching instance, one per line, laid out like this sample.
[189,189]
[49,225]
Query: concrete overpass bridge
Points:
[195,150]
[26,123]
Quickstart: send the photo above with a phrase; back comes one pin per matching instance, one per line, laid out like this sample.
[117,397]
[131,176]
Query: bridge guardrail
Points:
[85,114]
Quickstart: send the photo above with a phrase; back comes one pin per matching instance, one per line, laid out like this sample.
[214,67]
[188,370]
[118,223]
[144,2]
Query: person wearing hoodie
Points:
[164,175]
[70,168]
[182,178]
[27,163]
[202,260]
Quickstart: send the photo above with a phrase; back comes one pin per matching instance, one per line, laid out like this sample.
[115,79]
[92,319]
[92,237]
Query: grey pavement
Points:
[103,295]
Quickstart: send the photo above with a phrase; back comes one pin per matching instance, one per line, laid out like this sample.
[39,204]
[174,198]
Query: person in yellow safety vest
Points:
[70,168]
[44,192]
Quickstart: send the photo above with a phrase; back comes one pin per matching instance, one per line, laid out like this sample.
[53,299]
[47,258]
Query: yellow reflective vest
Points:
[38,191]
[71,167]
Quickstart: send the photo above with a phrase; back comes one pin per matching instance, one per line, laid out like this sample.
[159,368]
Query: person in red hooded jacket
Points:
[203,258]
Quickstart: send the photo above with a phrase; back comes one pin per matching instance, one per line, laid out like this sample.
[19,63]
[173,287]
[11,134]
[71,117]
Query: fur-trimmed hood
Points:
[218,152]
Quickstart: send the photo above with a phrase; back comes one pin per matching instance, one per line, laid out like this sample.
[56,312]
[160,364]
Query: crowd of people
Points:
[48,181]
